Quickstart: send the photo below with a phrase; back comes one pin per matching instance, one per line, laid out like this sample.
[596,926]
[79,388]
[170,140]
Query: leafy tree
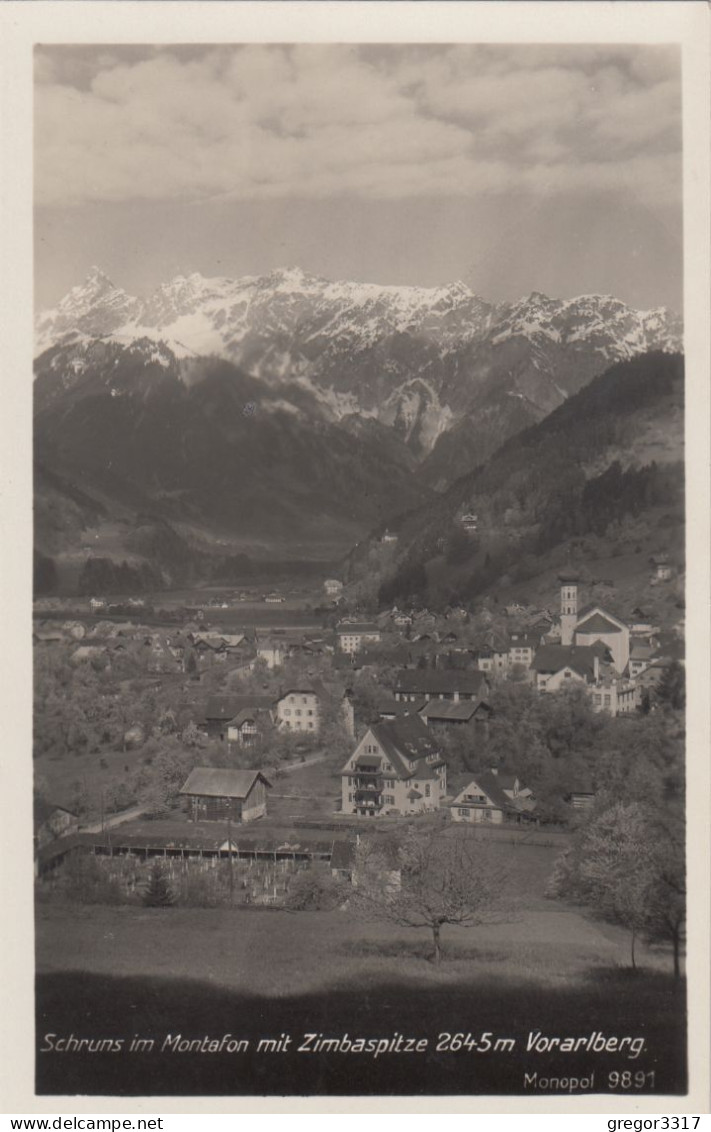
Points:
[159,893]
[436,879]
[622,867]
[313,891]
[671,689]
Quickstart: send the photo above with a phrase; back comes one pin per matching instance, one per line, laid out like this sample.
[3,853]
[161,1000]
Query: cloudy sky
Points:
[516,168]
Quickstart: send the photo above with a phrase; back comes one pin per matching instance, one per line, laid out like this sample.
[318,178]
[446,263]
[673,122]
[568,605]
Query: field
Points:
[120,972]
[116,972]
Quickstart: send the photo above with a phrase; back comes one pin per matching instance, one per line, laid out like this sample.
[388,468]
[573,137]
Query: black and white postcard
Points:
[362,407]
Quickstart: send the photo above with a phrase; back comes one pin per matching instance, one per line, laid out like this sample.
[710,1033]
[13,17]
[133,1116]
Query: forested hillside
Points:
[600,476]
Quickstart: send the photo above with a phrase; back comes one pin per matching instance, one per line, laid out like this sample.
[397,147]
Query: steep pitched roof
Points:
[260,714]
[581,658]
[219,782]
[225,708]
[407,740]
[597,623]
[42,811]
[489,785]
[462,711]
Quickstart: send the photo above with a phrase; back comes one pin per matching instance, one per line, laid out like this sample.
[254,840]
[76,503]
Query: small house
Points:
[249,726]
[494,799]
[446,715]
[221,710]
[217,794]
[51,822]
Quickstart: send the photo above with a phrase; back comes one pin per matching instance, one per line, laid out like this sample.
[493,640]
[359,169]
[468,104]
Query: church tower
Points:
[568,607]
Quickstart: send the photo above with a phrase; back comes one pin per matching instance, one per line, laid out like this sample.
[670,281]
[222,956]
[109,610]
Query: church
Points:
[591,624]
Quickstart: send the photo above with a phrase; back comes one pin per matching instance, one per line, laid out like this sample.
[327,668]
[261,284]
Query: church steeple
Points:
[568,607]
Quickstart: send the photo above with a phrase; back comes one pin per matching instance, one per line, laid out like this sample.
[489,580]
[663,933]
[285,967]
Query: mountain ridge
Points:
[421,360]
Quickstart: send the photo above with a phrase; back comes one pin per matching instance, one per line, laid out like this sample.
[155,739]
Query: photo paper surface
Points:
[365,740]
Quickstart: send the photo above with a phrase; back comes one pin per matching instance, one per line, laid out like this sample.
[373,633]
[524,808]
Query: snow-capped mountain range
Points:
[421,360]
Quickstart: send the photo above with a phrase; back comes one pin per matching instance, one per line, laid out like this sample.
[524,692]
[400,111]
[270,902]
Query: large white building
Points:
[396,768]
[355,635]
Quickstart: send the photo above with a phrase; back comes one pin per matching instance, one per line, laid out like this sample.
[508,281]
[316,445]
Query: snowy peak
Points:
[418,359]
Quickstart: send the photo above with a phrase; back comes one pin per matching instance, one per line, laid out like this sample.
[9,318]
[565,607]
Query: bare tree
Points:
[433,879]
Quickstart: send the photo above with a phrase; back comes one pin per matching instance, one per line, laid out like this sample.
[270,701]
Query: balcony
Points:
[368,798]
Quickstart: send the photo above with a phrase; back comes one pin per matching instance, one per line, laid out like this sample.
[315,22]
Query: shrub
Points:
[312,891]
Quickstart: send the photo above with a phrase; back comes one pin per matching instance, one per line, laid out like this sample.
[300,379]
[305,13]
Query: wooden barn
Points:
[217,794]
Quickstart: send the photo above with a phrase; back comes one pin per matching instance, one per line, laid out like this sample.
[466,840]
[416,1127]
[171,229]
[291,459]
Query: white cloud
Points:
[249,122]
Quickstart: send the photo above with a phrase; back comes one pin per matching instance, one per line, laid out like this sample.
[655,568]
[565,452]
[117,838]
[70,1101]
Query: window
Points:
[463,812]
[303,699]
[311,725]
[388,800]
[427,790]
[291,699]
[297,711]
[309,712]
[287,711]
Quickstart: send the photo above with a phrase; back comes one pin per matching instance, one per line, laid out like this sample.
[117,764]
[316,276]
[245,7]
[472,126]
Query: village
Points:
[274,748]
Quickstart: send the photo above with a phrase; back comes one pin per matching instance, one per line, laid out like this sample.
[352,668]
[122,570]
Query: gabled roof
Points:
[462,711]
[607,614]
[525,641]
[581,658]
[219,782]
[433,681]
[225,708]
[488,784]
[356,627]
[308,688]
[251,714]
[597,623]
[42,811]
[404,740]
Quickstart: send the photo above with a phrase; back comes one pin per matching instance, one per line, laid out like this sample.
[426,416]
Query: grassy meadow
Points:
[121,971]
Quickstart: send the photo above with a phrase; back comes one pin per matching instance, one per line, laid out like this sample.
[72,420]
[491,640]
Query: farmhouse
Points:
[353,635]
[249,726]
[445,715]
[448,684]
[396,768]
[51,821]
[216,794]
[493,797]
[222,710]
